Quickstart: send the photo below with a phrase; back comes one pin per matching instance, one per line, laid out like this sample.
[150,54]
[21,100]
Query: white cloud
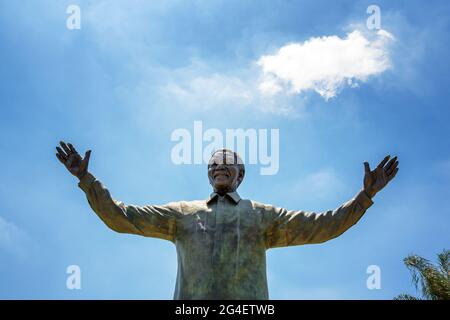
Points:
[270,83]
[211,90]
[322,64]
[11,237]
[322,182]
[318,190]
[274,83]
[325,64]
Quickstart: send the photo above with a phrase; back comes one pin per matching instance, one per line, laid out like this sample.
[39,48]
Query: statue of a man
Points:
[221,242]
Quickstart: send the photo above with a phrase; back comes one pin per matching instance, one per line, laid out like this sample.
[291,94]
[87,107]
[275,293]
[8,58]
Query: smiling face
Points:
[225,171]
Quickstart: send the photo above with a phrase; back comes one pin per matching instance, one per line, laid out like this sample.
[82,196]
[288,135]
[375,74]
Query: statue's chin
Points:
[222,188]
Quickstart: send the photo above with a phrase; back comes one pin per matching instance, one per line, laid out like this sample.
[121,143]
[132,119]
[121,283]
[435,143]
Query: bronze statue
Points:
[221,242]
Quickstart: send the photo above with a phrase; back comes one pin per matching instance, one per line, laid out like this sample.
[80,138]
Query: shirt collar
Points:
[232,195]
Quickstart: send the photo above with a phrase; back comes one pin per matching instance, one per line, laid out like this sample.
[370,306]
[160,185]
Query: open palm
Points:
[377,179]
[72,160]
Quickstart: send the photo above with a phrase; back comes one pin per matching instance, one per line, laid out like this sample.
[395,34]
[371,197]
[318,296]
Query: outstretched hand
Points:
[377,179]
[72,160]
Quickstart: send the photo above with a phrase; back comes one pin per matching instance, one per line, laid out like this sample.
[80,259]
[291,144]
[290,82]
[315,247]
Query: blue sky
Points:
[138,70]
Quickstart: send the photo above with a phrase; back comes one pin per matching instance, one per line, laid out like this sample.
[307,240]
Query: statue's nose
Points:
[221,166]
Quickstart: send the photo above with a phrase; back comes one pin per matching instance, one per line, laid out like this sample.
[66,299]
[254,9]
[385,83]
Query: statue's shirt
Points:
[221,242]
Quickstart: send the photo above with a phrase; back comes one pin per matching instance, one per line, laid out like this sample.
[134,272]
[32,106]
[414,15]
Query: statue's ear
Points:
[241,176]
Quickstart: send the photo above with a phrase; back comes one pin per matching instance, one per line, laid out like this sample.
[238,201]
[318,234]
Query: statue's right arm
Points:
[150,221]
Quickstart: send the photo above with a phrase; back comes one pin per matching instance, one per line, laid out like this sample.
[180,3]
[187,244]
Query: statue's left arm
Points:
[290,228]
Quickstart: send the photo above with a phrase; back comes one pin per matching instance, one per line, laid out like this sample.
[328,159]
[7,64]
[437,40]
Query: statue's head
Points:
[225,171]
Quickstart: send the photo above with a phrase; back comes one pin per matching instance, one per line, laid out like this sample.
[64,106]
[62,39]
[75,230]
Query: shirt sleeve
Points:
[150,221]
[290,228]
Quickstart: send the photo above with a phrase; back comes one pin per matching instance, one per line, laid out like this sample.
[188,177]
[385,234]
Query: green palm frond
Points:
[405,296]
[444,262]
[432,281]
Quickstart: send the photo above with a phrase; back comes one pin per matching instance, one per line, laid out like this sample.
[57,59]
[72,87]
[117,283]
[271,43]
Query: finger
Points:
[71,159]
[61,153]
[392,168]
[383,162]
[87,156]
[366,167]
[381,175]
[72,148]
[393,174]
[85,163]
[385,177]
[65,147]
[390,163]
[60,158]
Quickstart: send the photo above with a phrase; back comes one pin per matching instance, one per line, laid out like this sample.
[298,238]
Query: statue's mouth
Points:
[220,173]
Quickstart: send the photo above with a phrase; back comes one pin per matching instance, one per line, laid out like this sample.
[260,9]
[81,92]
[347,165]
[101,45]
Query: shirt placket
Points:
[218,234]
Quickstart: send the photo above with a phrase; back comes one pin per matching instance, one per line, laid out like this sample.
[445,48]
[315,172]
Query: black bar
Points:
[272,309]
